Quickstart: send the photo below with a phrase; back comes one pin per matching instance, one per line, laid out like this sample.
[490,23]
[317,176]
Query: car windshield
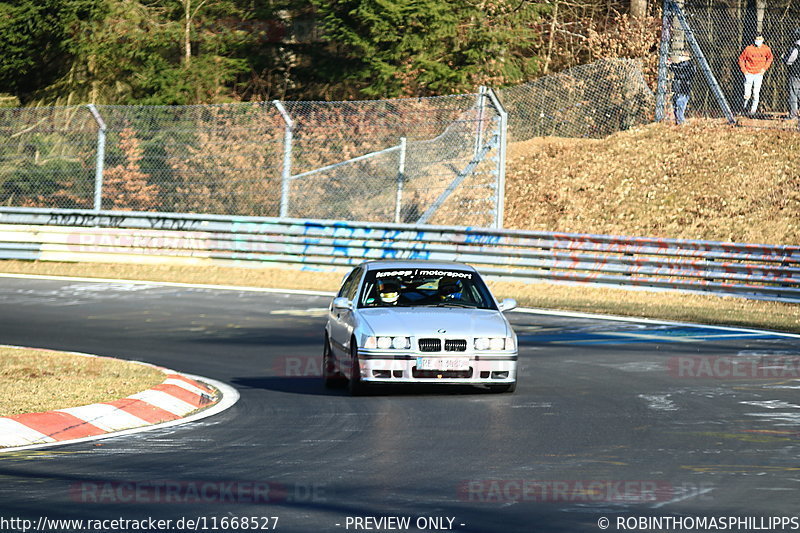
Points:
[424,287]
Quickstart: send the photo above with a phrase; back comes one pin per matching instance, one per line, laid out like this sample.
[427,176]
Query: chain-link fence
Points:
[593,100]
[714,34]
[426,160]
[435,160]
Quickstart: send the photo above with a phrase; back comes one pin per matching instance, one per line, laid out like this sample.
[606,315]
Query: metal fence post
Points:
[666,32]
[401,177]
[481,103]
[500,193]
[286,172]
[101,154]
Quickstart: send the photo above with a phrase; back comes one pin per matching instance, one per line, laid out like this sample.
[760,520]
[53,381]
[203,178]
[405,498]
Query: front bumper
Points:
[490,368]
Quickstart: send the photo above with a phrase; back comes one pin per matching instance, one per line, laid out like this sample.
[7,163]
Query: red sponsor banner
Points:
[774,366]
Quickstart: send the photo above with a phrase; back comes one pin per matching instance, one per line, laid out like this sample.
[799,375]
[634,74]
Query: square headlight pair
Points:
[494,344]
[388,343]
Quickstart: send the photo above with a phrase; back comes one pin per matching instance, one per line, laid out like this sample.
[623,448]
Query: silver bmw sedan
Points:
[418,322]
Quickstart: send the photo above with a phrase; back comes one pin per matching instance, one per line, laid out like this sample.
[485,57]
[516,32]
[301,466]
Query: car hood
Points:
[428,321]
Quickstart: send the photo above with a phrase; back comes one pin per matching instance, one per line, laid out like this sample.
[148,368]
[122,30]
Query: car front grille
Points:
[455,345]
[430,345]
[435,345]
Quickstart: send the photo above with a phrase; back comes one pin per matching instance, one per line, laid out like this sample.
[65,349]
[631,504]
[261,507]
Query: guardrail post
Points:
[401,178]
[101,154]
[286,172]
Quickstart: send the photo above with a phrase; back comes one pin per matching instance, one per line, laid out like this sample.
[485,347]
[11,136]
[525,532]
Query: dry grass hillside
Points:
[698,181]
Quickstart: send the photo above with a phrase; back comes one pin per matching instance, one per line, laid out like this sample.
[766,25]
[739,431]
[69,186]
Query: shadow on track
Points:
[313,386]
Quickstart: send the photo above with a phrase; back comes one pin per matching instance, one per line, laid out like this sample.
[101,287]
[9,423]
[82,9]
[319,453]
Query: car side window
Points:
[350,286]
[352,290]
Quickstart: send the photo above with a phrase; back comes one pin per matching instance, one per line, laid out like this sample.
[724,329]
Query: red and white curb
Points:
[181,398]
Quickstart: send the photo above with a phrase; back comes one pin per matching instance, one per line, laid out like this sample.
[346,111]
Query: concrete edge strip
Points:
[119,417]
[534,311]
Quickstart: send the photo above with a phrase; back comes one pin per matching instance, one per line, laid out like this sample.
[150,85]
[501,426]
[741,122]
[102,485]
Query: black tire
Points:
[355,386]
[505,388]
[333,379]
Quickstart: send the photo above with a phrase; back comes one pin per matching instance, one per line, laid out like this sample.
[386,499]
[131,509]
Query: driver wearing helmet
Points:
[389,291]
[449,289]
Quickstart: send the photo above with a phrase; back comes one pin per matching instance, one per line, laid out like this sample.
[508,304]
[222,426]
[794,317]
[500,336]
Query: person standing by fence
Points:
[792,60]
[683,72]
[754,61]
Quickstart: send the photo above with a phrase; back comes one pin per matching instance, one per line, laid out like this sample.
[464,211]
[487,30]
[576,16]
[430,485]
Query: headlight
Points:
[386,343]
[494,344]
[497,344]
[481,343]
[401,343]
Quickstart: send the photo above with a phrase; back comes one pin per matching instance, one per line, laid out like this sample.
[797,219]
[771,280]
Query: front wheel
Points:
[355,386]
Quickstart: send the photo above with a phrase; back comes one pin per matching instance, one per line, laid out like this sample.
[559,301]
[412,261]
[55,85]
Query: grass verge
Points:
[704,309]
[32,381]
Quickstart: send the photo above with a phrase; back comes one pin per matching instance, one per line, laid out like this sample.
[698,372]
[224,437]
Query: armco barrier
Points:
[748,270]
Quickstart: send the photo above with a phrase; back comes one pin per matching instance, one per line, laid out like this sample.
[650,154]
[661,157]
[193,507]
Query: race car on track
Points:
[418,322]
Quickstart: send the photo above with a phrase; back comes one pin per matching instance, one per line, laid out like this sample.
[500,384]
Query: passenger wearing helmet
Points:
[449,289]
[389,291]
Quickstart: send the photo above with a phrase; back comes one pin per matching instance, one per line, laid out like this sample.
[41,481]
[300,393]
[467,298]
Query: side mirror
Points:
[342,303]
[508,304]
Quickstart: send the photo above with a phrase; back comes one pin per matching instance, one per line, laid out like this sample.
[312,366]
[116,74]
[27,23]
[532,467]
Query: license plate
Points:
[442,363]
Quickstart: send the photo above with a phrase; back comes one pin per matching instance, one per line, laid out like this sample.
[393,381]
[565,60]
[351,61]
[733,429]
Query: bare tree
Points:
[188,19]
[638,9]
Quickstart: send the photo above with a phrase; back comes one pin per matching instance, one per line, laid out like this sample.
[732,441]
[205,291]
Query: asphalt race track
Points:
[611,420]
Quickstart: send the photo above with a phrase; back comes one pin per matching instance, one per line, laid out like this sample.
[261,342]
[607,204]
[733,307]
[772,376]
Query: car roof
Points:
[416,263]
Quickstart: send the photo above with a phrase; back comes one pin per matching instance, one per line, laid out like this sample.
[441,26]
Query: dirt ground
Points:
[703,180]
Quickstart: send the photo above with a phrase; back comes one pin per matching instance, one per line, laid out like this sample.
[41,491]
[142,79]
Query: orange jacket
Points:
[755,59]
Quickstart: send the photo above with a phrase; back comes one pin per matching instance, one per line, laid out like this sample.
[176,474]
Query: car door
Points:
[342,320]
